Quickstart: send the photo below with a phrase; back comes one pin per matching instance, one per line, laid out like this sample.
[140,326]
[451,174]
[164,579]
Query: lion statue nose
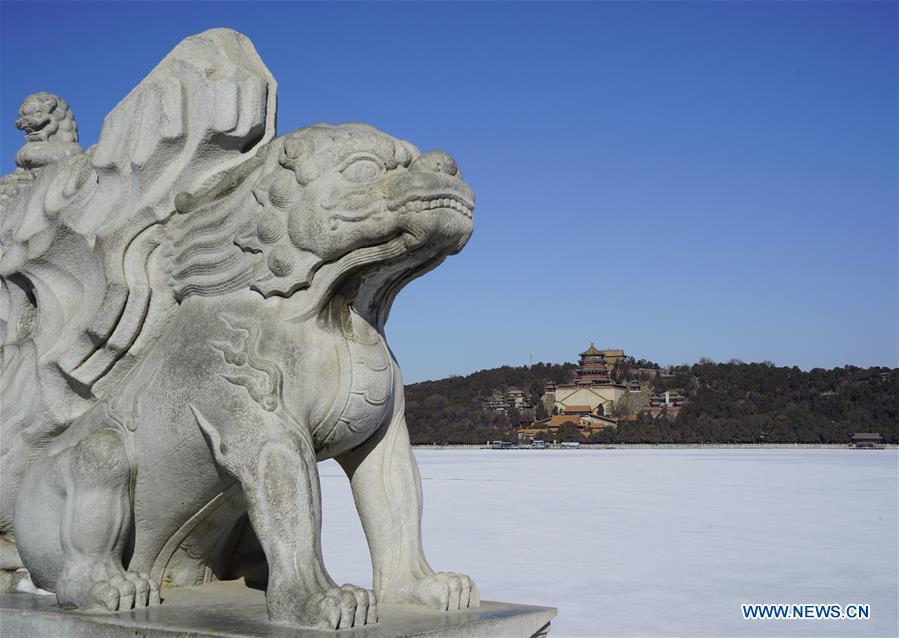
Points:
[436,162]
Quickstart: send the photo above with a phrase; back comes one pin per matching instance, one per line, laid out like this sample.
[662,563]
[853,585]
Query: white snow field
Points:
[650,542]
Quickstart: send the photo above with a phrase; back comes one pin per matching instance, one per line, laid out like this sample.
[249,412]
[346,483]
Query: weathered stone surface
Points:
[229,609]
[193,315]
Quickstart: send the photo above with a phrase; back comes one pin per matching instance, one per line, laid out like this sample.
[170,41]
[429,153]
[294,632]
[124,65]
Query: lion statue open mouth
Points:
[193,316]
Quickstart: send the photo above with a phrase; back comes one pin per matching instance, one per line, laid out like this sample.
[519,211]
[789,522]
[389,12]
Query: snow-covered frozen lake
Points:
[654,542]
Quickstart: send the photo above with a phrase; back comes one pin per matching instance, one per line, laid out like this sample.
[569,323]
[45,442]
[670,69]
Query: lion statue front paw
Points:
[341,608]
[443,591]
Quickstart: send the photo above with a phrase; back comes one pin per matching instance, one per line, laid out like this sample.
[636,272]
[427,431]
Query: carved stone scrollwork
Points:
[261,378]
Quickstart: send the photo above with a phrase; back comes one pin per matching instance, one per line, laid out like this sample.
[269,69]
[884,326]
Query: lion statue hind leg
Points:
[73,519]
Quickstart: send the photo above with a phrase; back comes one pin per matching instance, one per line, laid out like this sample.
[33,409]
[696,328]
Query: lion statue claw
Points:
[192,318]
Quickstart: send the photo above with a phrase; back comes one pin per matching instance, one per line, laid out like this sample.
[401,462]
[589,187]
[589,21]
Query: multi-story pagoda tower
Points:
[592,368]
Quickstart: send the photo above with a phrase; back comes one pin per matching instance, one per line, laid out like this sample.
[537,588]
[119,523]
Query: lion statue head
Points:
[329,206]
[43,115]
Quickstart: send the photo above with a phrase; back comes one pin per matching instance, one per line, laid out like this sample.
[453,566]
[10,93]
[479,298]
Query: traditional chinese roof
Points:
[593,418]
[577,409]
[561,419]
[591,350]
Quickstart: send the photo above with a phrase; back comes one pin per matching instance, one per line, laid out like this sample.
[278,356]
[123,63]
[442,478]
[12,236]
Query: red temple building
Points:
[593,368]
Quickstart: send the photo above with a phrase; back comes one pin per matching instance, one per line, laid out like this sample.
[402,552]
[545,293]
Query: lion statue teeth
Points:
[192,317]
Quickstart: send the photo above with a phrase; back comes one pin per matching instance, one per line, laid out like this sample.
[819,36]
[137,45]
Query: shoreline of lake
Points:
[683,446]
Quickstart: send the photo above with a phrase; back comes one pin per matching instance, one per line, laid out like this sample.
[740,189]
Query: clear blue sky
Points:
[677,179]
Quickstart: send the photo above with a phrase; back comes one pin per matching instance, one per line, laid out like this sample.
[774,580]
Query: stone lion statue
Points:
[51,133]
[192,317]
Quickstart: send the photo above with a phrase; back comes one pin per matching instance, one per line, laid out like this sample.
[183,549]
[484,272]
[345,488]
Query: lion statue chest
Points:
[237,356]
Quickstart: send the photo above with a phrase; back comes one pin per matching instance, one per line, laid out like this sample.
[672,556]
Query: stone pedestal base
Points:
[231,610]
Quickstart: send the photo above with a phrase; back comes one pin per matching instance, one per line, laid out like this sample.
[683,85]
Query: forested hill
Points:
[728,402]
[451,410]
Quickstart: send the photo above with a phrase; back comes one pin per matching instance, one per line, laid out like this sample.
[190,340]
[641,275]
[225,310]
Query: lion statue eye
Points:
[363,169]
